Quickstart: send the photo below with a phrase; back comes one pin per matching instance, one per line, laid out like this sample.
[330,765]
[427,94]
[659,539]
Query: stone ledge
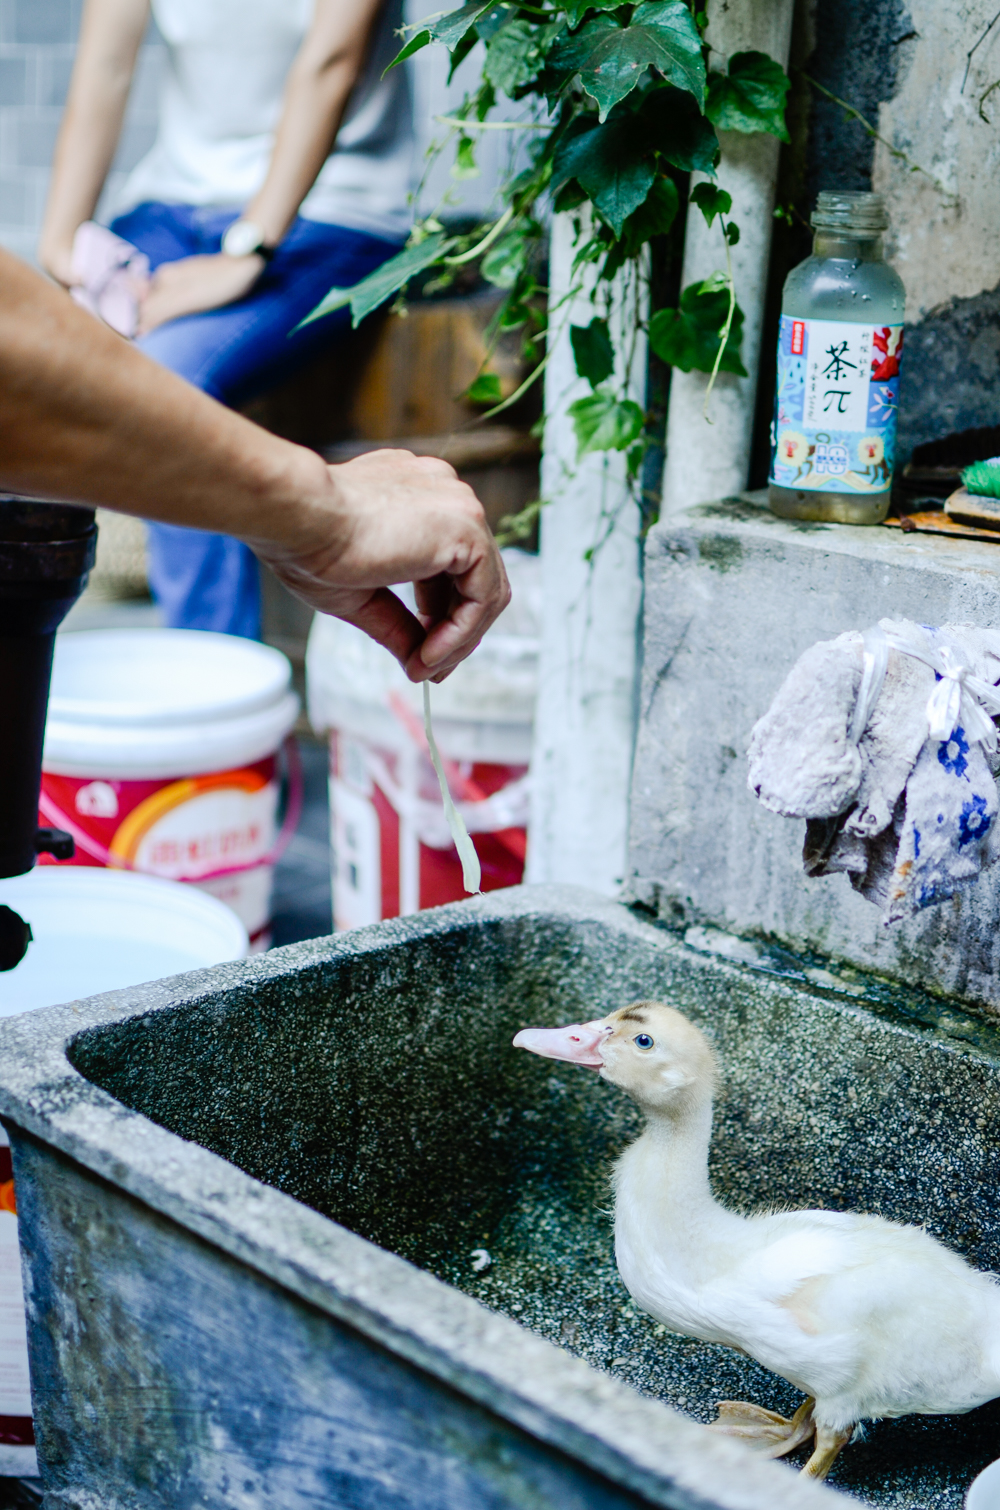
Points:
[733,596]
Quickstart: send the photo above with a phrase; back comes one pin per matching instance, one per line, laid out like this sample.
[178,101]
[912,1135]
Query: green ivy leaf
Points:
[654,217]
[603,422]
[577,9]
[384,281]
[415,43]
[513,56]
[592,351]
[461,51]
[751,97]
[504,263]
[612,163]
[449,29]
[569,197]
[465,165]
[485,389]
[677,129]
[711,201]
[494,16]
[611,59]
[681,60]
[689,337]
[514,314]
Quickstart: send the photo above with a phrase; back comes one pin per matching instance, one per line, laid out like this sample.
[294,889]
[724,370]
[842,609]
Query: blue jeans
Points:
[206,581]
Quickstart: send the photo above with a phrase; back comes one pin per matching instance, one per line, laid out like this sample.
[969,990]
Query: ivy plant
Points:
[622,104]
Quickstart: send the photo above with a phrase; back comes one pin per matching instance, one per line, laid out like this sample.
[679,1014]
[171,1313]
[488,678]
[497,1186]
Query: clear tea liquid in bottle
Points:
[833,436]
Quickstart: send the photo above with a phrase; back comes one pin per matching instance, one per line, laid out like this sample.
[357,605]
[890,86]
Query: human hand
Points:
[390,517]
[85,415]
[56,257]
[193,284]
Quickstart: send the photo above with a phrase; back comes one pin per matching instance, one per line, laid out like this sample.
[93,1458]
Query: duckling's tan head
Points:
[649,1050]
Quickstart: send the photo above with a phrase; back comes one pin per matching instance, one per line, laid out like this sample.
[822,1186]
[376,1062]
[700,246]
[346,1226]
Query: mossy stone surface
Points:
[377,1085]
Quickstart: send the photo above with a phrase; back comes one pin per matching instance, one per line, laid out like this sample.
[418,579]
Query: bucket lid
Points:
[152,703]
[98,930]
[162,676]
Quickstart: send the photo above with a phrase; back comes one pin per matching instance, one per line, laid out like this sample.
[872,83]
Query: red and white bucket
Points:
[161,756]
[391,849]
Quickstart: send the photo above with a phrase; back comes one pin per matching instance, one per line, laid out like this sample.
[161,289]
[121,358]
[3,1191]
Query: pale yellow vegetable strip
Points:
[472,874]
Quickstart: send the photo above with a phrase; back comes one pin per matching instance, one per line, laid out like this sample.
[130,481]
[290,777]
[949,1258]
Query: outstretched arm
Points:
[84,416]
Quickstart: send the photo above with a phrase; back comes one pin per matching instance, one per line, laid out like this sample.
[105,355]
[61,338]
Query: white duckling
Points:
[868,1318]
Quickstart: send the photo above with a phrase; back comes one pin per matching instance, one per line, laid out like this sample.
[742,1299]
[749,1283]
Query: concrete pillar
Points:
[584,724]
[944,233]
[706,461]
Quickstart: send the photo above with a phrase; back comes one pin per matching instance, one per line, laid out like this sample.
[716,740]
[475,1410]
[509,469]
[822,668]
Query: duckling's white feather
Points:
[872,1318]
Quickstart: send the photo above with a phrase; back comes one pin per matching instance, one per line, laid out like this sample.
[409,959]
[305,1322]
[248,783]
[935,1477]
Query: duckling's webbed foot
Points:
[828,1445]
[764,1430]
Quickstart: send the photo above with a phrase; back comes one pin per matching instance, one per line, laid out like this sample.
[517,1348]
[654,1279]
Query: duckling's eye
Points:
[642,1041]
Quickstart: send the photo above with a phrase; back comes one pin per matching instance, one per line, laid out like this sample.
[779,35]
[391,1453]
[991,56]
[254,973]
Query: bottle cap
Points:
[837,210]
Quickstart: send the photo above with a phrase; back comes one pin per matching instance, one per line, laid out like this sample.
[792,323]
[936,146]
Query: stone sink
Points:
[305,1230]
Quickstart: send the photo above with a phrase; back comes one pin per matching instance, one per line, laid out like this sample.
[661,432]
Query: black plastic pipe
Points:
[46,552]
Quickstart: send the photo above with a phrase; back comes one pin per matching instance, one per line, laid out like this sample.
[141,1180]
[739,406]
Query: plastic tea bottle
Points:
[833,436]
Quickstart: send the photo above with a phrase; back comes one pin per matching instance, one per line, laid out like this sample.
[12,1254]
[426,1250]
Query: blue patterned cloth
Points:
[904,798]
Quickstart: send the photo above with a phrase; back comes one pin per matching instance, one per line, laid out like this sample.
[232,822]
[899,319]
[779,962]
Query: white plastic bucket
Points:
[984,1491]
[93,930]
[96,930]
[161,756]
[391,850]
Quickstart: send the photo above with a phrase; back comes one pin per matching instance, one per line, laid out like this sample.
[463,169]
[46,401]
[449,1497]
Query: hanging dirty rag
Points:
[884,742]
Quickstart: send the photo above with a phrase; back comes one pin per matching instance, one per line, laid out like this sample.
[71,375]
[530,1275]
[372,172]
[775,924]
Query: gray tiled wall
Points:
[37,39]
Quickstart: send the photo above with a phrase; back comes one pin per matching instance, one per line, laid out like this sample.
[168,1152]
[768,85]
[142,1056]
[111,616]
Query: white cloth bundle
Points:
[885,743]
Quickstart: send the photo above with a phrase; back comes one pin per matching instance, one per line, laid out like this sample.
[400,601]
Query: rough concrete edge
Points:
[658,897]
[633,1441]
[749,516]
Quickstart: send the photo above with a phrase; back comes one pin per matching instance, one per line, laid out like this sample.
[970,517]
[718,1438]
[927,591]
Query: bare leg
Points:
[828,1445]
[772,1435]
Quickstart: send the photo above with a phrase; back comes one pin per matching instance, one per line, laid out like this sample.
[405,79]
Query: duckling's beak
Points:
[579,1043]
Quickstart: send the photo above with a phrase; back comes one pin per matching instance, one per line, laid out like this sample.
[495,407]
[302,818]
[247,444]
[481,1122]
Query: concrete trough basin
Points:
[255,1203]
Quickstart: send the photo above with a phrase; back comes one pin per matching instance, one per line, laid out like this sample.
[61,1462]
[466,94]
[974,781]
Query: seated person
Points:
[281,167]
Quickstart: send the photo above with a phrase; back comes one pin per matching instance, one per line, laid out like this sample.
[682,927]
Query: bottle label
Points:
[835,405]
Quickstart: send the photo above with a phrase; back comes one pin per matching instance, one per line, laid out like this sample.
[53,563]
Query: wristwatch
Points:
[245,237]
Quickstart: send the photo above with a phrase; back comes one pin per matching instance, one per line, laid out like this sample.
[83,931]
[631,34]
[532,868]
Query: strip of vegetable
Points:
[472,874]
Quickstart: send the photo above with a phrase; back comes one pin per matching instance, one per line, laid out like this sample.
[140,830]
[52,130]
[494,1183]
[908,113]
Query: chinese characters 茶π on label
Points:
[836,400]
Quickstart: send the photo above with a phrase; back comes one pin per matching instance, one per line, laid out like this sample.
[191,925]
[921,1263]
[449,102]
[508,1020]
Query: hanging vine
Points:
[620,107]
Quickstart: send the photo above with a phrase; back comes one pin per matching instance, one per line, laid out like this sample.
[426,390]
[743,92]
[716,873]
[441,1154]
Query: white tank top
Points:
[226,63]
